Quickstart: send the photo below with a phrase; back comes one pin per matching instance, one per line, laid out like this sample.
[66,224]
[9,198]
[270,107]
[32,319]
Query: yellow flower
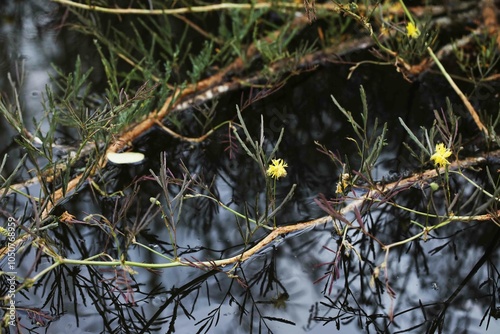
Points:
[412,31]
[441,155]
[384,31]
[342,184]
[339,189]
[277,168]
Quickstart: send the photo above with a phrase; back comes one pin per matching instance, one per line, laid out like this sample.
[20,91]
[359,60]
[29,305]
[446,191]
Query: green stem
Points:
[418,235]
[236,213]
[274,203]
[407,12]
[477,186]
[152,250]
[425,214]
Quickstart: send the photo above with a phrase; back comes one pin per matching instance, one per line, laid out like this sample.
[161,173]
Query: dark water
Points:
[452,279]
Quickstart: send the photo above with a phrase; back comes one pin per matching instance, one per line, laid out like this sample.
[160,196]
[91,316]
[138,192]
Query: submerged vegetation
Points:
[164,185]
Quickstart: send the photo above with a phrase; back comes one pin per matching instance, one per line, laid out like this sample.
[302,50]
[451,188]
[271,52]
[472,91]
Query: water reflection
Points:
[300,283]
[29,45]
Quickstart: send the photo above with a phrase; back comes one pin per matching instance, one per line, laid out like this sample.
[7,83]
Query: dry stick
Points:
[260,245]
[184,138]
[392,9]
[457,90]
[193,9]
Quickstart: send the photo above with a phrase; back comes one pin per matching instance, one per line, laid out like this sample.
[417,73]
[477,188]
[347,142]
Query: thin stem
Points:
[477,186]
[229,209]
[186,10]
[457,90]
[191,139]
[152,250]
[407,12]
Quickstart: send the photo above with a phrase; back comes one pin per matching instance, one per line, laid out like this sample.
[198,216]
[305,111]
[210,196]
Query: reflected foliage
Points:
[380,239]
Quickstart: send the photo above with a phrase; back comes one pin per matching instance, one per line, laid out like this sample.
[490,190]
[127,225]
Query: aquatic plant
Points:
[141,145]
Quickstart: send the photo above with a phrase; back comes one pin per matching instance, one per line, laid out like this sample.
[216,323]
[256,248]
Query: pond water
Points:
[297,284]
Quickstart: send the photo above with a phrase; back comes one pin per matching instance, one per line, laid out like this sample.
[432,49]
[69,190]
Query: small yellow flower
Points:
[384,31]
[339,189]
[441,155]
[277,168]
[412,31]
[342,184]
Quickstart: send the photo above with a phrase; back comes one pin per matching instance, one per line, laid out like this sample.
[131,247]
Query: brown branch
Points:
[184,138]
[261,244]
[193,9]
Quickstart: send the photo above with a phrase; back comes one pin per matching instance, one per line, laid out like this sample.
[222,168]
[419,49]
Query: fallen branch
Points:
[193,9]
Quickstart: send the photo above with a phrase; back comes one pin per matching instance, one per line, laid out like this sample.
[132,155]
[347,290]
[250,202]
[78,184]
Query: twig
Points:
[184,138]
[457,90]
[193,9]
